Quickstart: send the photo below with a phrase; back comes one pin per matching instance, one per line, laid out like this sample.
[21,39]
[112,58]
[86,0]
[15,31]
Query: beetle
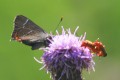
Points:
[96,47]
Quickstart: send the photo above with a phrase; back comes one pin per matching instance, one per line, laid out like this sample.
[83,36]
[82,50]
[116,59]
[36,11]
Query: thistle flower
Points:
[65,59]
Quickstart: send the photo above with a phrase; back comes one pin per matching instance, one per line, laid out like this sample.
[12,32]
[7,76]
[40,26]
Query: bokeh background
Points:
[99,18]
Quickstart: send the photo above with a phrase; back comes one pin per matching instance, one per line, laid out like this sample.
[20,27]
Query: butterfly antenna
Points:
[58,24]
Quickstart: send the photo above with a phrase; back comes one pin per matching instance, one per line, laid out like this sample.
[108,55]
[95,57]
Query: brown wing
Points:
[28,32]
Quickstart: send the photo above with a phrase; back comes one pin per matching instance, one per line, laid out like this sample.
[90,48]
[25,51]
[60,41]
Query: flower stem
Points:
[72,74]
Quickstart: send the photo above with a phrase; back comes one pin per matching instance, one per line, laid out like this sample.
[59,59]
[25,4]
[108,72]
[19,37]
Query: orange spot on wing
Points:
[17,38]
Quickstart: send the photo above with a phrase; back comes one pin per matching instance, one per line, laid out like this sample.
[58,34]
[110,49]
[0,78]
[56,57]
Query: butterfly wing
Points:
[28,32]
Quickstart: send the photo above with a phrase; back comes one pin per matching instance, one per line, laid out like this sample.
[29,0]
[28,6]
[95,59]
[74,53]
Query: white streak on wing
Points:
[25,23]
[27,33]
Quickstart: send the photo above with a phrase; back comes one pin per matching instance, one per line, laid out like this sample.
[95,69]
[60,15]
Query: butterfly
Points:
[27,32]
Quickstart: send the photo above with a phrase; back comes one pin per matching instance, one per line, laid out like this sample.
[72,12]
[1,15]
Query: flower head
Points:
[65,58]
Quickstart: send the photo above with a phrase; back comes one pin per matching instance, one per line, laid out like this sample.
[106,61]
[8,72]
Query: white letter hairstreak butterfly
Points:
[29,33]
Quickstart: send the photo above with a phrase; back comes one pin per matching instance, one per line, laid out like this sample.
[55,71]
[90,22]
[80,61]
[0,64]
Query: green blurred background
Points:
[99,18]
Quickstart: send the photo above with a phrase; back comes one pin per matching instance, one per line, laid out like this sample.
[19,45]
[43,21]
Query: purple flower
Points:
[65,59]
